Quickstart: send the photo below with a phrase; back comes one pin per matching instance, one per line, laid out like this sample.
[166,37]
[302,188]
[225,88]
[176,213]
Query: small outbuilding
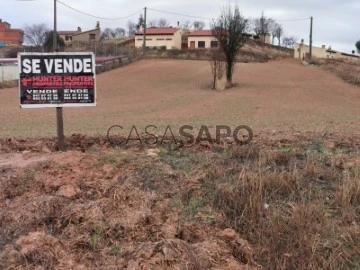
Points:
[157,37]
[202,39]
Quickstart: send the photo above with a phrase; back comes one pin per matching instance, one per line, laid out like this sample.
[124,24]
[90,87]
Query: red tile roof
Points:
[159,31]
[201,33]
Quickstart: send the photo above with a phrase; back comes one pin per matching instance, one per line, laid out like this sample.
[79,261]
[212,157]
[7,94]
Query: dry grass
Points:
[349,71]
[291,209]
[295,202]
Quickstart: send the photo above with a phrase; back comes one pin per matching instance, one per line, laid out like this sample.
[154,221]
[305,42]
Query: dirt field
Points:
[276,96]
[288,200]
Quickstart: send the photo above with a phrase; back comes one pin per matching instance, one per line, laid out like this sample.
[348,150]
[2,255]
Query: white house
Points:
[169,37]
[202,39]
[302,51]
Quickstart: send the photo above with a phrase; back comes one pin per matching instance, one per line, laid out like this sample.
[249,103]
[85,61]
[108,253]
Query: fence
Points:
[102,49]
[8,70]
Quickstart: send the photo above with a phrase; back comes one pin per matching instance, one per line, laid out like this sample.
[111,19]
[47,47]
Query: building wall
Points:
[85,36]
[349,58]
[196,39]
[267,39]
[177,40]
[68,40]
[9,73]
[168,41]
[300,51]
[10,36]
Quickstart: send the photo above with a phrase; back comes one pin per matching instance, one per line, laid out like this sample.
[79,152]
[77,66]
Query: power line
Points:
[204,18]
[295,20]
[156,10]
[97,17]
[179,14]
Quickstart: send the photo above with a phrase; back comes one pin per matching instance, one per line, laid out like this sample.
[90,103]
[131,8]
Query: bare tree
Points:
[186,25]
[229,29]
[110,33]
[119,32]
[131,26]
[106,33]
[48,43]
[35,34]
[199,25]
[141,22]
[277,32]
[262,26]
[357,45]
[273,33]
[289,41]
[218,64]
[152,23]
[162,22]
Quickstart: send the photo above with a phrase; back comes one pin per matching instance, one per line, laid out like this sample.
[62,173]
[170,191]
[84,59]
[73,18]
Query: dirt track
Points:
[281,95]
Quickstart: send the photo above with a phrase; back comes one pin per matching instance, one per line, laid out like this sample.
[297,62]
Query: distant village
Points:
[164,37]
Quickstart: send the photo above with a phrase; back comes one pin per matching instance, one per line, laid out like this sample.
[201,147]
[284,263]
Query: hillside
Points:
[253,52]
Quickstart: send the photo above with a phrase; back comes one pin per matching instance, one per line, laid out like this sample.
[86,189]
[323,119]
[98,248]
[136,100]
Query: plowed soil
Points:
[280,95]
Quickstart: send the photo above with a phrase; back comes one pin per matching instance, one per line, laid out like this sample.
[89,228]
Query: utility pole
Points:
[55,29]
[263,26]
[144,41]
[311,37]
[59,110]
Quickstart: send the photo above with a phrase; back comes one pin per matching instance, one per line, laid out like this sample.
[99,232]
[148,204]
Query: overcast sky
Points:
[335,21]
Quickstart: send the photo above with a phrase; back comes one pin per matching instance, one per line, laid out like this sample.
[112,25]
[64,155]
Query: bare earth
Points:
[277,96]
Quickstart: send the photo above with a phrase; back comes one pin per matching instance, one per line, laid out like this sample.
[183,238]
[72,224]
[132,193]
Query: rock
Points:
[228,233]
[68,191]
[45,150]
[153,152]
[108,171]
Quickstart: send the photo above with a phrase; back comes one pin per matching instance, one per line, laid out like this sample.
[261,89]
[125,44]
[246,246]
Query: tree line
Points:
[36,34]
[39,35]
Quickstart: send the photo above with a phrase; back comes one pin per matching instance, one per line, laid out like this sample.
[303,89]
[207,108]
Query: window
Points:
[159,39]
[67,38]
[169,39]
[92,36]
[214,44]
[201,44]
